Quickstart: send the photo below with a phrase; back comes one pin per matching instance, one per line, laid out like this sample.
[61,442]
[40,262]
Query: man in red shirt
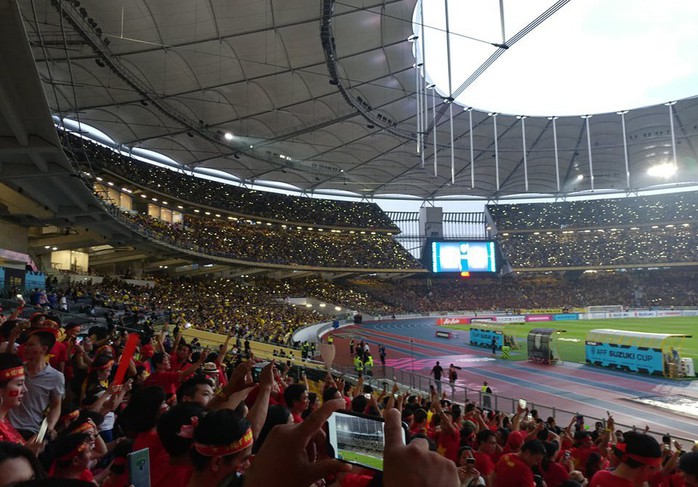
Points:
[641,458]
[296,398]
[515,469]
[448,437]
[162,375]
[487,448]
[688,465]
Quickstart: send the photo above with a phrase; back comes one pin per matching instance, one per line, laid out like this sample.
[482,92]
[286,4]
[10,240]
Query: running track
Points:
[569,387]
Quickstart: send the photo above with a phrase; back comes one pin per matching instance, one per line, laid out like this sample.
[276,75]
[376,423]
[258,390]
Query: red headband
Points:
[106,366]
[71,416]
[652,461]
[83,428]
[224,450]
[74,452]
[11,373]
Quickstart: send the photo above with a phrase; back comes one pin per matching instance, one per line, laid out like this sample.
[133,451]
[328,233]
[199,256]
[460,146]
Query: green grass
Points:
[574,351]
[366,460]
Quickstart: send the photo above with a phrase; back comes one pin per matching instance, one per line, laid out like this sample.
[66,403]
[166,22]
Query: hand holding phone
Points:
[284,450]
[412,465]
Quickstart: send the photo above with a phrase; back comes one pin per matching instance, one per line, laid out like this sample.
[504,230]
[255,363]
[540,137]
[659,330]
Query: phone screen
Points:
[358,439]
[522,403]
[139,468]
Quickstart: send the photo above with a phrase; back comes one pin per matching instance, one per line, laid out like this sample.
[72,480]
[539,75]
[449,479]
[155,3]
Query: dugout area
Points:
[639,352]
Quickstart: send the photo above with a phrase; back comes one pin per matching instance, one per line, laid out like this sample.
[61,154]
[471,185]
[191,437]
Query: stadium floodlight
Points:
[663,170]
[228,136]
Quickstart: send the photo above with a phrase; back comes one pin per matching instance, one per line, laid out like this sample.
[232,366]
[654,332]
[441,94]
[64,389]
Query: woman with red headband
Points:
[12,390]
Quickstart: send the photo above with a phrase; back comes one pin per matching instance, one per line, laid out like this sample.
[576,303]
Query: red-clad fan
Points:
[641,458]
[12,391]
[515,469]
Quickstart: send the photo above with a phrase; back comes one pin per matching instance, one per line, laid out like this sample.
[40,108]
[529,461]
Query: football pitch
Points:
[572,336]
[361,459]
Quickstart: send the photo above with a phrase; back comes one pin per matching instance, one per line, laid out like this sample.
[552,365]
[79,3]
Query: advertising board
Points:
[625,357]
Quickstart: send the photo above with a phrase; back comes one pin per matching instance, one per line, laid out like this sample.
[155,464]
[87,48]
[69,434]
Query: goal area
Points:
[611,308]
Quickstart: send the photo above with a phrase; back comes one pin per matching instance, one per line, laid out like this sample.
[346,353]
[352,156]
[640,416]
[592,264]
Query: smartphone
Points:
[42,431]
[139,468]
[19,296]
[470,461]
[567,455]
[358,439]
[522,403]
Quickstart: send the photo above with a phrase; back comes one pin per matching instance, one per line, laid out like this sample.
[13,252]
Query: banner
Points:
[566,317]
[483,338]
[625,357]
[2,278]
[510,319]
[445,334]
[535,318]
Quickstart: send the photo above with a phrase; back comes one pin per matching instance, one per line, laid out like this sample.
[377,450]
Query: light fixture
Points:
[228,136]
[664,170]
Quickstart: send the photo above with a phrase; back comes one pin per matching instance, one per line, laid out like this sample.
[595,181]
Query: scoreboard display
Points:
[463,256]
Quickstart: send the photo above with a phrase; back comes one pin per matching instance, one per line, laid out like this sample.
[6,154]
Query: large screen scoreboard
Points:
[463,256]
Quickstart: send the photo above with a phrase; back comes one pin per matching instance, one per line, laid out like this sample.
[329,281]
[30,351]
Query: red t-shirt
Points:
[511,471]
[165,474]
[580,456]
[150,440]
[483,463]
[59,354]
[447,444]
[555,475]
[604,478]
[167,380]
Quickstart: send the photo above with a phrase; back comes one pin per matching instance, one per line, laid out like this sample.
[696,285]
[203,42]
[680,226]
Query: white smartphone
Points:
[522,403]
[42,431]
[358,439]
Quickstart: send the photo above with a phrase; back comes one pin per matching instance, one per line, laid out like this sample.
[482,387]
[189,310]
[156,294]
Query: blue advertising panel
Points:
[463,257]
[34,279]
[566,317]
[625,357]
[2,278]
[483,338]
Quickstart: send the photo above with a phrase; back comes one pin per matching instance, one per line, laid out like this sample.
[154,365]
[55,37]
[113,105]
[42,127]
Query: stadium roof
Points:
[321,96]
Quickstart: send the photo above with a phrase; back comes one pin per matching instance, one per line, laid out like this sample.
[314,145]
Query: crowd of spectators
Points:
[71,413]
[641,289]
[260,307]
[251,242]
[246,309]
[233,199]
[666,208]
[601,247]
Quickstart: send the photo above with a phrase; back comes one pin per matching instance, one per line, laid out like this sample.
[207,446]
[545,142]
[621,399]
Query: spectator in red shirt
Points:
[196,389]
[515,469]
[296,398]
[222,447]
[487,447]
[552,472]
[172,467]
[162,375]
[688,465]
[641,458]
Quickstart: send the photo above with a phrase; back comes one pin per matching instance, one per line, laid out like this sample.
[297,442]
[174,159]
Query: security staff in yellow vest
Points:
[330,339]
[486,393]
[368,365]
[358,364]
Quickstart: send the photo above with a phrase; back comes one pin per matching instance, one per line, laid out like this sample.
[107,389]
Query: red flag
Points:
[131,343]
